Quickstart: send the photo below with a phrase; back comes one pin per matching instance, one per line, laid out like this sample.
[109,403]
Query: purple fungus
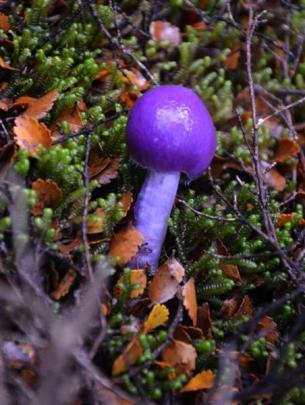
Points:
[169,131]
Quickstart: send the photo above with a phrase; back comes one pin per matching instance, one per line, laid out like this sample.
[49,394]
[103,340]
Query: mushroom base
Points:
[152,210]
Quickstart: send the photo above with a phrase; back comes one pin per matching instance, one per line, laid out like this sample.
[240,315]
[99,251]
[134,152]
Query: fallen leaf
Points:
[136,78]
[126,201]
[48,194]
[200,381]
[30,133]
[137,276]
[165,282]
[268,328]
[231,62]
[181,334]
[221,164]
[180,355]
[37,107]
[285,149]
[231,271]
[158,316]
[98,224]
[73,118]
[64,286]
[101,168]
[130,355]
[190,299]
[128,98]
[282,219]
[229,307]
[165,31]
[66,248]
[275,180]
[204,321]
[245,307]
[125,244]
[5,65]
[4,22]
[5,103]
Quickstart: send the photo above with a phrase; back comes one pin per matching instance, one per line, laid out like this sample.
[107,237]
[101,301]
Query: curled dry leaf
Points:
[97,225]
[190,299]
[165,282]
[30,133]
[137,276]
[282,219]
[200,381]
[64,286]
[180,355]
[286,148]
[130,355]
[72,116]
[158,316]
[37,107]
[48,195]
[5,65]
[4,22]
[125,244]
[165,31]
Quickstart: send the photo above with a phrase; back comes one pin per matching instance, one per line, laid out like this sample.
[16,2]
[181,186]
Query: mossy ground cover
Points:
[222,321]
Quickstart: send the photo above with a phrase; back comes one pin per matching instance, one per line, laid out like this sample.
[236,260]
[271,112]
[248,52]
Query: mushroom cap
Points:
[169,129]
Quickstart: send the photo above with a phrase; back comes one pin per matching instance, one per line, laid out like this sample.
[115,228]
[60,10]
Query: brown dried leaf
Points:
[37,107]
[181,334]
[125,244]
[98,225]
[7,155]
[268,328]
[48,195]
[110,397]
[137,276]
[180,355]
[165,282]
[64,286]
[286,148]
[158,316]
[282,219]
[165,31]
[4,22]
[275,180]
[220,164]
[72,117]
[130,355]
[101,168]
[66,248]
[204,321]
[30,133]
[127,200]
[231,62]
[190,299]
[231,271]
[245,307]
[200,381]
[5,65]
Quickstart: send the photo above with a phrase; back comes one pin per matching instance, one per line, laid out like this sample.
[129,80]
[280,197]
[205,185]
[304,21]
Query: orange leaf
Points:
[180,355]
[231,62]
[97,225]
[48,195]
[109,396]
[164,31]
[157,317]
[64,286]
[72,117]
[137,276]
[204,320]
[4,22]
[275,180]
[125,244]
[37,107]
[30,133]
[165,282]
[130,355]
[200,381]
[126,201]
[5,65]
[190,299]
[282,219]
[268,328]
[286,148]
[137,79]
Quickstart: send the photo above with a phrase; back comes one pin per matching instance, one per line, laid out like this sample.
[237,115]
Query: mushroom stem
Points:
[152,209]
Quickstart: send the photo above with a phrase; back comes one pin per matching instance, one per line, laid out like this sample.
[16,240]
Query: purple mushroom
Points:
[169,131]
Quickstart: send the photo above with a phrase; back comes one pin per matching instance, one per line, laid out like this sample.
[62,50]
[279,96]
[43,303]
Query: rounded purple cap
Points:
[169,129]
